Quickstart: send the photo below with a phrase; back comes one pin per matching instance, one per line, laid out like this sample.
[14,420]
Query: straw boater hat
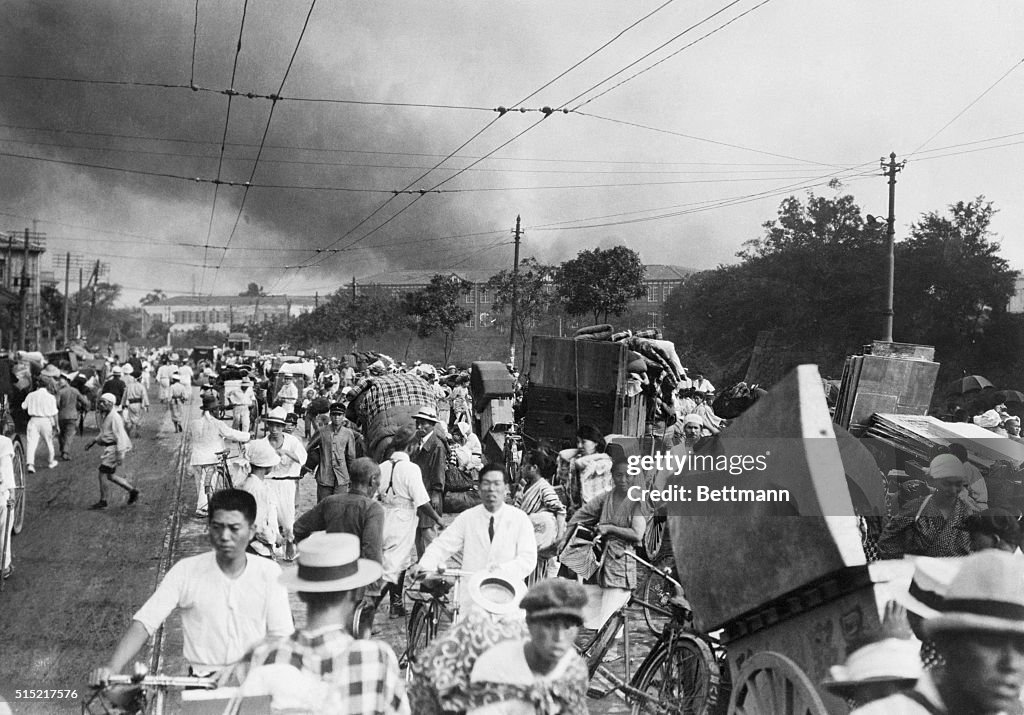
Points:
[261,454]
[331,563]
[50,370]
[496,593]
[426,413]
[278,415]
[127,369]
[928,588]
[986,596]
[887,660]
[116,370]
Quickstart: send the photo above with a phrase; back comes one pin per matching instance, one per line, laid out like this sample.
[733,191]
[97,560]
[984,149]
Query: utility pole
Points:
[78,306]
[94,279]
[23,298]
[316,300]
[353,286]
[67,283]
[890,168]
[515,294]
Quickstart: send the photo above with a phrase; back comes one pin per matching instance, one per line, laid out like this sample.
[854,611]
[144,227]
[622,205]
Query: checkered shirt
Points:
[384,391]
[363,674]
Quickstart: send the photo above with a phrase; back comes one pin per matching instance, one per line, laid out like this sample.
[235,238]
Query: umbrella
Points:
[971,383]
[1007,396]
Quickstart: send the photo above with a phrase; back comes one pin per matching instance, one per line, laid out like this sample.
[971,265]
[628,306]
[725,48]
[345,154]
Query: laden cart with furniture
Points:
[785,583]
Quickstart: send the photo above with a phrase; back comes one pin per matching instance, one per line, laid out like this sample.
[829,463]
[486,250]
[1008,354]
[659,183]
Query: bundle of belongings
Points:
[654,366]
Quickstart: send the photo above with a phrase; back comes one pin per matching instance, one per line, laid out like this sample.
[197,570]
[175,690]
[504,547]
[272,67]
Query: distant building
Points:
[20,269]
[659,280]
[219,313]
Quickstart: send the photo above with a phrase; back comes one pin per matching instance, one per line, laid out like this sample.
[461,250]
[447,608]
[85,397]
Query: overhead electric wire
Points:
[667,57]
[195,39]
[970,104]
[224,138]
[263,139]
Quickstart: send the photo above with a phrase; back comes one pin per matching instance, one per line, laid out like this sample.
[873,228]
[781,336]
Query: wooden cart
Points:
[787,592]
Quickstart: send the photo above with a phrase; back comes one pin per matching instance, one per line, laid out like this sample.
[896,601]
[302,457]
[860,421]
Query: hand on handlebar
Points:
[100,677]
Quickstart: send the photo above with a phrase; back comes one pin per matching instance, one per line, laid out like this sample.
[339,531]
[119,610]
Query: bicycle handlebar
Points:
[652,567]
[163,681]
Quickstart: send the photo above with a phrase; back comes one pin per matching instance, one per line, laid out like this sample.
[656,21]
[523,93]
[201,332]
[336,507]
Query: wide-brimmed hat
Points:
[175,376]
[50,370]
[555,597]
[426,413]
[331,563]
[930,584]
[262,454]
[127,369]
[986,596]
[886,660]
[116,370]
[278,414]
[496,593]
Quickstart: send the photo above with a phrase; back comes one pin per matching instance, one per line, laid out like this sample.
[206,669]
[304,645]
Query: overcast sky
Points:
[786,95]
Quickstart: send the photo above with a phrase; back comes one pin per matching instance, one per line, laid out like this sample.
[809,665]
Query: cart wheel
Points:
[771,684]
[684,679]
[19,486]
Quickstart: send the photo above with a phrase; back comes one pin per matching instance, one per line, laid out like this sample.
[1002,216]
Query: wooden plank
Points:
[908,351]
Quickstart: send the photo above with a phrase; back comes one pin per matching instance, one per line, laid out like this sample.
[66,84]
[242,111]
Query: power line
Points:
[224,138]
[195,39]
[668,57]
[266,130]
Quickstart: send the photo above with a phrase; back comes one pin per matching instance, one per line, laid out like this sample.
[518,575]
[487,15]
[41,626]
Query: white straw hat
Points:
[331,563]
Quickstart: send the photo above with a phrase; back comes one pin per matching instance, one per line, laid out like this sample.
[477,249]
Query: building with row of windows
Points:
[218,313]
[659,280]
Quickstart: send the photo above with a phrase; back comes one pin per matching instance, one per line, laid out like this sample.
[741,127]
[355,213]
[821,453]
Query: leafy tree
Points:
[600,282]
[367,316]
[532,289]
[153,297]
[436,309]
[254,290]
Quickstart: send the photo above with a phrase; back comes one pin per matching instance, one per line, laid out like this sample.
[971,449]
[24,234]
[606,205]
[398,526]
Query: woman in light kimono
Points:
[539,498]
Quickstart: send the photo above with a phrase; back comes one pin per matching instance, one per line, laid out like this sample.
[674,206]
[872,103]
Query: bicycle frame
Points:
[158,684]
[433,606]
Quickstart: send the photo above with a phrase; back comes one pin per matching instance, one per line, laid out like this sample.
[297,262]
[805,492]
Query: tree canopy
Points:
[532,289]
[600,282]
[436,308]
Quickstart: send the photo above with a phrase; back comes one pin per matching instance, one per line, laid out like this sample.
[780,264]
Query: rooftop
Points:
[207,300]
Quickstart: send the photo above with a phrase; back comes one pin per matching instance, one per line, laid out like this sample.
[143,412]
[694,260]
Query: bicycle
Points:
[140,693]
[218,476]
[433,598]
[681,674]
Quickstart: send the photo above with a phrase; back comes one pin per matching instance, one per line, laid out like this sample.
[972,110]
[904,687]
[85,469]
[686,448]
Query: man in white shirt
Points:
[229,601]
[208,435]
[185,373]
[284,478]
[288,393]
[492,536]
[41,406]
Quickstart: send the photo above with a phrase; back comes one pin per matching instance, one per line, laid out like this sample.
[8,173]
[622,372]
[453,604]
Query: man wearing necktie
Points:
[492,536]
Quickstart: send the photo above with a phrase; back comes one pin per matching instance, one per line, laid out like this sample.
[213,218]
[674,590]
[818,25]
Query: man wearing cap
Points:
[492,536]
[69,402]
[980,634]
[208,439]
[114,439]
[288,393]
[240,399]
[134,402]
[431,456]
[931,525]
[337,446]
[42,419]
[179,397]
[323,667]
[283,479]
[228,600]
[114,385]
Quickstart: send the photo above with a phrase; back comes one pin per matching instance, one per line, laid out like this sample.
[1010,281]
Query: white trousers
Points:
[240,418]
[8,518]
[39,428]
[284,494]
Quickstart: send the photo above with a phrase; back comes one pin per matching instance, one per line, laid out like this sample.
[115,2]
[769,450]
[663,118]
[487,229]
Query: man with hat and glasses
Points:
[980,634]
[324,666]
[430,454]
[228,600]
[208,438]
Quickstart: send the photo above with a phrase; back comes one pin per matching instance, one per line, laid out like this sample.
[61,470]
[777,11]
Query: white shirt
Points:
[222,618]
[185,373]
[40,403]
[513,550]
[288,467]
[208,435]
[506,662]
[403,479]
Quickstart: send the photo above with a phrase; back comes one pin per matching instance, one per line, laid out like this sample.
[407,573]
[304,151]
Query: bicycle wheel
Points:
[657,591]
[19,484]
[421,632]
[681,679]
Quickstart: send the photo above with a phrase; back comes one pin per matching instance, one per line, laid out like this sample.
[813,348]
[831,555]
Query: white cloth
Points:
[512,551]
[39,428]
[208,435]
[282,491]
[402,493]
[506,663]
[7,485]
[221,618]
[266,524]
[185,373]
[288,395]
[40,403]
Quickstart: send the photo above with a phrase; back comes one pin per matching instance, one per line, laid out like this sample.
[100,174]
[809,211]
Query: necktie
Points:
[490,529]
